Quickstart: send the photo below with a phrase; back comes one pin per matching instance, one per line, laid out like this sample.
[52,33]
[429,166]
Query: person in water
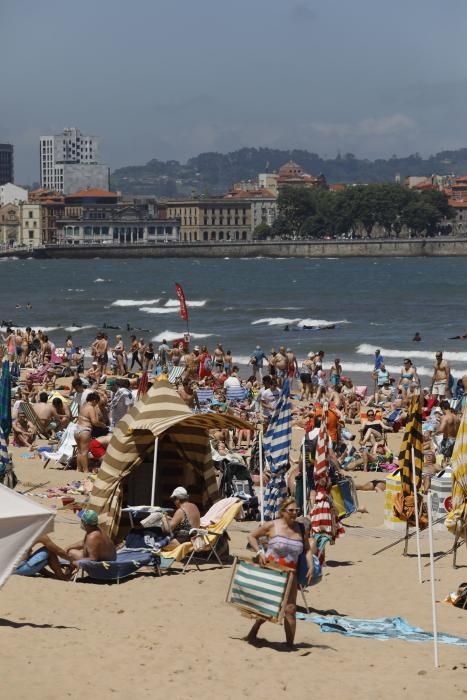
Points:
[417,337]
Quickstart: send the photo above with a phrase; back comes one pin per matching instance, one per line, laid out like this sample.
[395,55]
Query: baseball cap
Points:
[179,492]
[88,517]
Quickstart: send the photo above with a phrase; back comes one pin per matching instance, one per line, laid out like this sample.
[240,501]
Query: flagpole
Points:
[417,526]
[432,576]
[261,490]
[304,484]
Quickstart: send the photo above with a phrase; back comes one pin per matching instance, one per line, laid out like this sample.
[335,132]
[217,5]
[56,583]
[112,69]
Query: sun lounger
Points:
[128,562]
[205,541]
[234,393]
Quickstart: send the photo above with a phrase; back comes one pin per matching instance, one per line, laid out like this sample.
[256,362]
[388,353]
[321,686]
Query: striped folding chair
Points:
[262,592]
[175,373]
[234,394]
[32,417]
[205,397]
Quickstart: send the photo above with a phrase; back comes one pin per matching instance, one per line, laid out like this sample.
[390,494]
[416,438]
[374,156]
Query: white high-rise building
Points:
[70,161]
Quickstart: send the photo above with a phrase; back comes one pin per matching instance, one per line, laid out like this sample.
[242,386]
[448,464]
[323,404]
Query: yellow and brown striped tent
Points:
[184,455]
[413,438]
[457,518]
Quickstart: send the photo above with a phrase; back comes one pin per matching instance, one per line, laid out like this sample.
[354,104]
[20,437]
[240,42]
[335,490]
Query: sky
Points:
[169,79]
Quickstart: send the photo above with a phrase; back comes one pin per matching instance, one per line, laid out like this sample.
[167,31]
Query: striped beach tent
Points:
[457,518]
[276,446]
[6,469]
[184,455]
[413,438]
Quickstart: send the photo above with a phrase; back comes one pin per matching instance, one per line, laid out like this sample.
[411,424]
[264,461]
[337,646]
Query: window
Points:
[213,235]
[30,214]
[31,235]
[206,235]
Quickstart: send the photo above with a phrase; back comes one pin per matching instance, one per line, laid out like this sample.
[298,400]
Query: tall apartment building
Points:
[70,162]
[6,163]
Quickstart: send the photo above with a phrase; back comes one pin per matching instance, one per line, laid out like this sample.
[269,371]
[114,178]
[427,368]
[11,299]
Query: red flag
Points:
[181,296]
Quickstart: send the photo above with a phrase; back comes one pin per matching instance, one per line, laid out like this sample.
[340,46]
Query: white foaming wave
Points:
[134,302]
[320,322]
[172,335]
[176,302]
[77,329]
[99,279]
[12,257]
[279,321]
[275,321]
[157,310]
[367,349]
[75,290]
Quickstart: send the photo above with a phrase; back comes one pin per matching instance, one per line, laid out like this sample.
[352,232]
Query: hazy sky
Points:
[173,78]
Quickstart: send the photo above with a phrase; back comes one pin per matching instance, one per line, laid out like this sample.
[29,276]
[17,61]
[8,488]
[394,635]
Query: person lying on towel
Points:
[96,546]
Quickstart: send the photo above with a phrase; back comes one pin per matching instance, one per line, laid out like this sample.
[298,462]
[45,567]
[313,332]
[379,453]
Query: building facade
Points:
[70,162]
[214,219]
[52,210]
[98,217]
[9,225]
[12,194]
[30,225]
[7,170]
[262,202]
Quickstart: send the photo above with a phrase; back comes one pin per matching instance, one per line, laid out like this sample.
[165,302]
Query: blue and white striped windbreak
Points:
[276,447]
[4,456]
[5,399]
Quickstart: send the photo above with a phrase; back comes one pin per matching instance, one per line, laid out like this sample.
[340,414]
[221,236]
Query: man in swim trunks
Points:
[440,378]
[47,413]
[281,365]
[448,429]
[96,546]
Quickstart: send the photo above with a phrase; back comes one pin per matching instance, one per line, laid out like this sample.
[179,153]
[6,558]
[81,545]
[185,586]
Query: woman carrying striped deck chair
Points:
[286,542]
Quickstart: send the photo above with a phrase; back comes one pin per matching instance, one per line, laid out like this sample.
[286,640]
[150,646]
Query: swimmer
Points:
[417,337]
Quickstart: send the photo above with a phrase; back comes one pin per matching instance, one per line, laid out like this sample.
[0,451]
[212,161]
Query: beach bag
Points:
[302,570]
[404,509]
[208,364]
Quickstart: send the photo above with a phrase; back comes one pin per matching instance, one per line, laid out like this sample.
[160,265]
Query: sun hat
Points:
[179,492]
[88,517]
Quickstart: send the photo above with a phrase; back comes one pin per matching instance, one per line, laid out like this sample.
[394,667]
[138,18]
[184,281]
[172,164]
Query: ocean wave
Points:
[176,302]
[367,349]
[172,335]
[75,290]
[157,310]
[77,329]
[279,321]
[134,302]
[44,329]
[99,279]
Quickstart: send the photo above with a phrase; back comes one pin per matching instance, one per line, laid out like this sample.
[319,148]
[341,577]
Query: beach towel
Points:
[382,628]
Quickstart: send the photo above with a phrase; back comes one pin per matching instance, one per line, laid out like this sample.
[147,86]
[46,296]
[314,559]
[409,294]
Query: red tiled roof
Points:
[92,193]
[249,194]
[458,203]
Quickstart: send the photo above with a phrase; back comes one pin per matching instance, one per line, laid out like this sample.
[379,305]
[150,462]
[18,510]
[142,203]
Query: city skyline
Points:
[175,79]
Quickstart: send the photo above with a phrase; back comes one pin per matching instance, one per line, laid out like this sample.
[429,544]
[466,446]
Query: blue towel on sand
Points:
[381,628]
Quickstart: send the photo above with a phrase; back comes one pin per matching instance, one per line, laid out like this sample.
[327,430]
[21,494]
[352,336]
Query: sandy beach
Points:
[174,635]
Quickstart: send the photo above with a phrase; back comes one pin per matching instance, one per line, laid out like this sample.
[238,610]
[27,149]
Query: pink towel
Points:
[216,511]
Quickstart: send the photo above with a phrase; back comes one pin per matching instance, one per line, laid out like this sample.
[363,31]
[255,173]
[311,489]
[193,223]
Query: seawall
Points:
[431,247]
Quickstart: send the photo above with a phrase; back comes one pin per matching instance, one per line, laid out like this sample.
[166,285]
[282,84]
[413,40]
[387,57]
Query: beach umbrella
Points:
[412,449]
[458,514]
[5,462]
[21,523]
[5,399]
[276,447]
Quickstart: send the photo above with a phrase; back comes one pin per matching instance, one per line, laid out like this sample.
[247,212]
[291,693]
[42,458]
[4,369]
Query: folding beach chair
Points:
[32,417]
[127,563]
[65,450]
[233,394]
[205,397]
[205,541]
[175,373]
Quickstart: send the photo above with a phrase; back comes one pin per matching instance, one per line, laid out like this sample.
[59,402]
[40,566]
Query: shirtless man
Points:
[47,413]
[292,365]
[101,347]
[440,378]
[219,359]
[281,365]
[23,431]
[96,546]
[448,428]
[89,418]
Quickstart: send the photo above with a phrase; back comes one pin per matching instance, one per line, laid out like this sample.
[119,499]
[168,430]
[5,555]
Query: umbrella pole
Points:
[261,489]
[154,471]
[417,526]
[432,577]
[304,484]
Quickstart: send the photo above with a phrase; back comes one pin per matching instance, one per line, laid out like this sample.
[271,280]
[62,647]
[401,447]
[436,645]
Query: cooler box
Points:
[393,486]
[441,494]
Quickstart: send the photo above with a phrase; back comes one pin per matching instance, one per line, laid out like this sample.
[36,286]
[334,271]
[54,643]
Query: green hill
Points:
[214,173]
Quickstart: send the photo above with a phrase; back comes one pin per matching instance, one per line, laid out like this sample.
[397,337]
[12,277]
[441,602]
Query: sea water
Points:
[358,304]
